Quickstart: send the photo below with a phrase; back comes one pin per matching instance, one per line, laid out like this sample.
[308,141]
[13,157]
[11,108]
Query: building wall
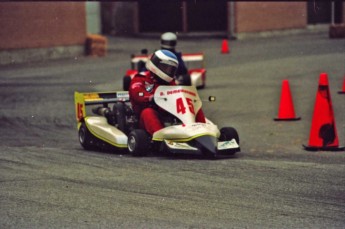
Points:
[119,18]
[343,12]
[266,16]
[41,24]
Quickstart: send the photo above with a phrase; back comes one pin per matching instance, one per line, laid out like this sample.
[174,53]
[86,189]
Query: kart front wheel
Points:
[229,133]
[85,137]
[138,142]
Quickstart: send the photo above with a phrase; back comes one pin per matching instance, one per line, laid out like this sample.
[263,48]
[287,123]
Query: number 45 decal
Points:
[80,113]
[181,108]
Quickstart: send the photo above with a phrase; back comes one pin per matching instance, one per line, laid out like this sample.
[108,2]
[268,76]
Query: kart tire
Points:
[120,116]
[138,142]
[85,138]
[126,82]
[228,133]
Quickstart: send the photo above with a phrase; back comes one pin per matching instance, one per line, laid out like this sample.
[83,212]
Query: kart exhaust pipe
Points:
[103,111]
[208,145]
[106,112]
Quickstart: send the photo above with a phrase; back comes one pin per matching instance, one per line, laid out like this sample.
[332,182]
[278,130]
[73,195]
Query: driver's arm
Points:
[138,93]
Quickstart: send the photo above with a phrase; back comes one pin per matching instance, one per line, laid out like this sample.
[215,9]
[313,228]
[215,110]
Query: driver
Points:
[168,42]
[162,68]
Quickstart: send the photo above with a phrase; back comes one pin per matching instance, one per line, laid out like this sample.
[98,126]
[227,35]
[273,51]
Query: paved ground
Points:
[48,181]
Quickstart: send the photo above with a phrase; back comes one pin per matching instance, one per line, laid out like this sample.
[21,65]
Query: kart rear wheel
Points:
[126,82]
[228,133]
[85,137]
[138,142]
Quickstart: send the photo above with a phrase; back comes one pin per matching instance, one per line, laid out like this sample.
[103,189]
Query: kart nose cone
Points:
[207,144]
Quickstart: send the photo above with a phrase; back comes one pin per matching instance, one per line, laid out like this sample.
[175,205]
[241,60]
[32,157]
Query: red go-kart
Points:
[195,62]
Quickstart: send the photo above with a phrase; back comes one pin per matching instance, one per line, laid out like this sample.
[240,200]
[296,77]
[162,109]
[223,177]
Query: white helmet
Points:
[163,64]
[168,40]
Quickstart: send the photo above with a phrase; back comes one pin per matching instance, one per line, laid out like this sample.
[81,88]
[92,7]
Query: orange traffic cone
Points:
[225,47]
[343,91]
[323,132]
[286,110]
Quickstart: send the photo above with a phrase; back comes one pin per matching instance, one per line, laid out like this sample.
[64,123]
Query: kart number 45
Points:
[181,107]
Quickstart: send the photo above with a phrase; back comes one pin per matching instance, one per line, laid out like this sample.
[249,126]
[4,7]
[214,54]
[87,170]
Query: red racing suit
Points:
[141,91]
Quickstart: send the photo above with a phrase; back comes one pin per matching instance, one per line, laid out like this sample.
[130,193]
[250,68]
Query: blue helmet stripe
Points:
[169,54]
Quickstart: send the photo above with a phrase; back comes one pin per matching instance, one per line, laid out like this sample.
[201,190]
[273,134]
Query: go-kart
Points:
[195,62]
[118,126]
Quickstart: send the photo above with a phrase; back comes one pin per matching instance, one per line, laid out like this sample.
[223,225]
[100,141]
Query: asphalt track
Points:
[48,181]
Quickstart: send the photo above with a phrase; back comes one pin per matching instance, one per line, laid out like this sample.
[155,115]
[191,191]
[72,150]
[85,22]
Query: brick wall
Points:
[266,16]
[41,24]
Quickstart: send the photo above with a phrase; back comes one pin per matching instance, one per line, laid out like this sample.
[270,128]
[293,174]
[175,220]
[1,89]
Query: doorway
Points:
[319,12]
[182,16]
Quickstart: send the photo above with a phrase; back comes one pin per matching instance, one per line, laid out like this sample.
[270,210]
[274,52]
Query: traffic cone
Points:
[286,110]
[225,47]
[323,132]
[343,91]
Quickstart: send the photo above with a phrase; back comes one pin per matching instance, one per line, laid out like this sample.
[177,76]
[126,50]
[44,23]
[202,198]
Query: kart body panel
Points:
[100,128]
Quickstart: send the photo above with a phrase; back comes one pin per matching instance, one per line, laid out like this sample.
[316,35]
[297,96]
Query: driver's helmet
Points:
[163,64]
[168,40]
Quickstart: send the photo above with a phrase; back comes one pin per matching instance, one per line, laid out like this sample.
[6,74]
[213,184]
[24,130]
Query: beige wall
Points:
[266,16]
[41,24]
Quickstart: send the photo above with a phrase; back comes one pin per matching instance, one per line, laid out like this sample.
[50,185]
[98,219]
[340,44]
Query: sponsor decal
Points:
[91,96]
[228,144]
[181,91]
[179,145]
[196,126]
[149,86]
[122,94]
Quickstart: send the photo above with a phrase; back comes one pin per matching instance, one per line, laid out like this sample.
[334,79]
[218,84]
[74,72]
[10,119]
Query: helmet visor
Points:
[168,43]
[166,66]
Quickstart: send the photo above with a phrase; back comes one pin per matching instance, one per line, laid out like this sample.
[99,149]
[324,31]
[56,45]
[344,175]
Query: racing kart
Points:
[118,126]
[195,63]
